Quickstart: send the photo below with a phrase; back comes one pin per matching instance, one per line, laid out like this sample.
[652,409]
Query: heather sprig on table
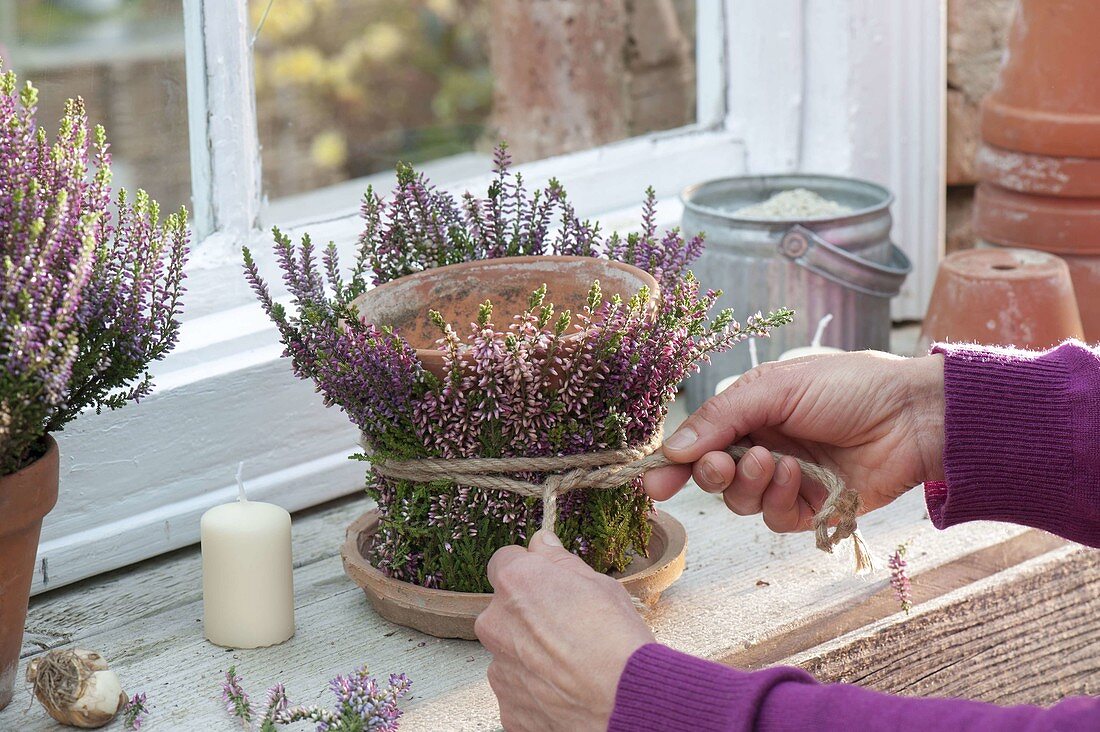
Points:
[362,704]
[88,298]
[134,713]
[514,384]
[899,578]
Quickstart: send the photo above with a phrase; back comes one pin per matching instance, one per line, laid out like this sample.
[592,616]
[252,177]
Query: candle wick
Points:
[753,359]
[240,483]
[821,330]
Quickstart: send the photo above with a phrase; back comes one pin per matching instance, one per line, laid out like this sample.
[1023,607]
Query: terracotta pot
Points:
[25,498]
[1069,227]
[446,614]
[1049,223]
[1009,297]
[458,290]
[1044,175]
[1046,99]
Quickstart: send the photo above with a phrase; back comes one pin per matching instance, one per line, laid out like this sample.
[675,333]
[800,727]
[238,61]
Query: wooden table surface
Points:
[1004,614]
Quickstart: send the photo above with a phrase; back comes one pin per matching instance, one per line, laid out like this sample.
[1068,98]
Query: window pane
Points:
[125,58]
[346,88]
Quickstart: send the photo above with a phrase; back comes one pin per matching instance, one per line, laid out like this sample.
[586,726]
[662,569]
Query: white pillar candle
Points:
[808,351]
[754,361]
[815,348]
[247,574]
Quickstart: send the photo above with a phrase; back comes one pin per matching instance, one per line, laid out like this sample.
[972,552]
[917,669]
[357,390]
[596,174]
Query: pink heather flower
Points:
[899,578]
[134,713]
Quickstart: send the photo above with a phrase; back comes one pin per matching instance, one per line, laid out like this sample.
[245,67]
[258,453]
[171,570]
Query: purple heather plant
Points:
[88,298]
[511,387]
[899,578]
[362,704]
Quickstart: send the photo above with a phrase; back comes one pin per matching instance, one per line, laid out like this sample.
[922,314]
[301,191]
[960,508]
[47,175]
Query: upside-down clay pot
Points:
[458,290]
[26,496]
[1005,297]
[1046,98]
[1039,164]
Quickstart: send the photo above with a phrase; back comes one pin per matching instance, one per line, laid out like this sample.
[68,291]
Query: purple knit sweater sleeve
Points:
[1022,440]
[1022,444]
[666,691]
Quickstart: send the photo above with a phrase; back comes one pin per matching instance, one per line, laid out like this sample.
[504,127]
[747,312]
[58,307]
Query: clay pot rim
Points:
[51,450]
[796,180]
[1044,212]
[18,505]
[422,605]
[424,354]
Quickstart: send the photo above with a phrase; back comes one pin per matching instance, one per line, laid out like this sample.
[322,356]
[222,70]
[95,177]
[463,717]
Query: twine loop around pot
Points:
[834,522]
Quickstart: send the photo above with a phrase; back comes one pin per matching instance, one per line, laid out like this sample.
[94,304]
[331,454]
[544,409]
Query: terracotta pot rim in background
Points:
[1046,99]
[1050,223]
[26,496]
[1044,175]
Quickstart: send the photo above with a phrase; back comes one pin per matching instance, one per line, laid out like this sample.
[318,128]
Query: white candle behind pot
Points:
[247,573]
[815,347]
[728,381]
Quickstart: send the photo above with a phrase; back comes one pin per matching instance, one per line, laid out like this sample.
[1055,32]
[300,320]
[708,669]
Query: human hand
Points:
[875,419]
[560,634]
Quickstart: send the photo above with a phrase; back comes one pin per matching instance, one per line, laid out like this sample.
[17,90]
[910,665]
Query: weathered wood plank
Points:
[1027,635]
[817,628]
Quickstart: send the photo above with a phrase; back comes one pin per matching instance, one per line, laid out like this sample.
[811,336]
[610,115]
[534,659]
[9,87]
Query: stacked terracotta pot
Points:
[1040,160]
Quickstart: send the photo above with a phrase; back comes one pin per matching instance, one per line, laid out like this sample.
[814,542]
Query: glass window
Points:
[346,88]
[125,58]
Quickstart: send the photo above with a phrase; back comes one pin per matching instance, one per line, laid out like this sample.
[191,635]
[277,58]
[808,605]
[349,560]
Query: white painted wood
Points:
[765,50]
[710,63]
[875,85]
[225,146]
[855,88]
[146,620]
[198,121]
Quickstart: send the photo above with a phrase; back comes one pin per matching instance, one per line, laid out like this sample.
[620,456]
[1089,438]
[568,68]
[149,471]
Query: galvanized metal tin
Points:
[845,265]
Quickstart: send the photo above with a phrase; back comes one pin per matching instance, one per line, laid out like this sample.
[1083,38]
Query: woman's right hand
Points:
[875,419]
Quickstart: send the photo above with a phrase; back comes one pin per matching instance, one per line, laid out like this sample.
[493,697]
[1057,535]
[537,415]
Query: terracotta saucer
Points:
[447,614]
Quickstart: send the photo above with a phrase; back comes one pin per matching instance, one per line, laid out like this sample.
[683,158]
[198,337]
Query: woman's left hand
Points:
[560,634]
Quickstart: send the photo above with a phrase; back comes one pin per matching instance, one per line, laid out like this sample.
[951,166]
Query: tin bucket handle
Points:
[809,251]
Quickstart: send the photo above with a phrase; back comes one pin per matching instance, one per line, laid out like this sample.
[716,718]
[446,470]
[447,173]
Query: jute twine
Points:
[834,522]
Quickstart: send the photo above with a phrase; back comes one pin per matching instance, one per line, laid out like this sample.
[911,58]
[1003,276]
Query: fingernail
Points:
[751,467]
[550,538]
[710,474]
[682,439]
[783,473]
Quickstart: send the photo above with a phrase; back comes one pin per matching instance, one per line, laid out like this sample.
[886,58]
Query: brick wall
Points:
[976,32]
[574,74]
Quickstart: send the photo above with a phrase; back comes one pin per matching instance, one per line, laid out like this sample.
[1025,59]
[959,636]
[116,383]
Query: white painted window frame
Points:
[135,482]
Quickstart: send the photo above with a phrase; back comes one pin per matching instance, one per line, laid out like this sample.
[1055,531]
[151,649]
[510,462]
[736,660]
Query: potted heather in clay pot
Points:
[498,328]
[89,296]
